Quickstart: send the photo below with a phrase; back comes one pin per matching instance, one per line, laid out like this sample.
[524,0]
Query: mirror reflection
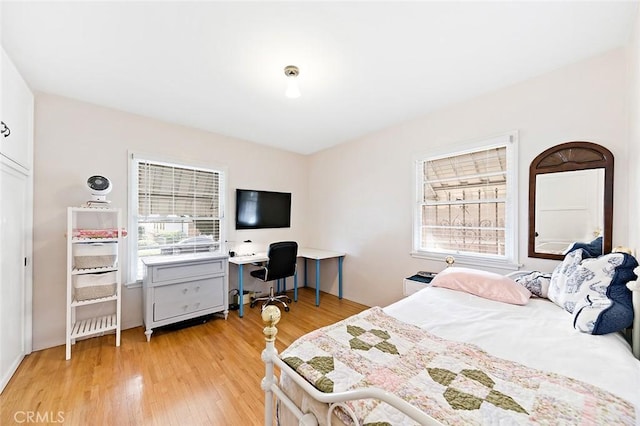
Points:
[569,208]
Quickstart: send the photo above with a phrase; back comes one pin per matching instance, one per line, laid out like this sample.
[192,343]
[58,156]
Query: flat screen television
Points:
[262,209]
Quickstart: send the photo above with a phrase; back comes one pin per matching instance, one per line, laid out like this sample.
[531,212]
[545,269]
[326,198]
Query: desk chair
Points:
[281,264]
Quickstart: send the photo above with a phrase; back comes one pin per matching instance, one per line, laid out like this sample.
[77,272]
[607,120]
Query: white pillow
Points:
[566,281]
[536,282]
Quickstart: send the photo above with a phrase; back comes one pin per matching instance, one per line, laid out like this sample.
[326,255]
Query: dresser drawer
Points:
[204,288]
[162,311]
[185,298]
[186,271]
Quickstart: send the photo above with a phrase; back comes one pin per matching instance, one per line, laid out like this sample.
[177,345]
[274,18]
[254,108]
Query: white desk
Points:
[318,255]
[305,253]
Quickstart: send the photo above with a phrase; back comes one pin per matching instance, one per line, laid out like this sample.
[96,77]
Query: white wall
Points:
[356,197]
[362,193]
[634,138]
[74,140]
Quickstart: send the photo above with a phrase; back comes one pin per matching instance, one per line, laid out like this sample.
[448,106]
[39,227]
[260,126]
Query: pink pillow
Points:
[482,283]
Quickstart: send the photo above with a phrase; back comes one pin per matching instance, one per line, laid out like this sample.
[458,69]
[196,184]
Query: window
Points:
[466,204]
[176,209]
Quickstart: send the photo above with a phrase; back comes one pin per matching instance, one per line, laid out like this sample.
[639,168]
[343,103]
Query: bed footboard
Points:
[271,316]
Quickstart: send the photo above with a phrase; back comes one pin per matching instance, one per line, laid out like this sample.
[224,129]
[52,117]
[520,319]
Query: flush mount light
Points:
[291,71]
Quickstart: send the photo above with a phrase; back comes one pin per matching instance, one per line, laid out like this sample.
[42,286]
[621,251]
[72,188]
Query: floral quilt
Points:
[455,383]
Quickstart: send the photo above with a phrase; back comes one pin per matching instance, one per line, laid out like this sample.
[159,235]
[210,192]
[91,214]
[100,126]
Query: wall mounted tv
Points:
[262,209]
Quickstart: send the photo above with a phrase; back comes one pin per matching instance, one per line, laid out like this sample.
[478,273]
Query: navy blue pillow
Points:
[592,249]
[606,304]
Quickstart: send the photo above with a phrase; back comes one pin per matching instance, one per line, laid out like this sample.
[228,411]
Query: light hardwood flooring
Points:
[206,374]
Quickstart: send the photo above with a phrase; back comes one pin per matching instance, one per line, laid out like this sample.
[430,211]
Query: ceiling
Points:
[364,66]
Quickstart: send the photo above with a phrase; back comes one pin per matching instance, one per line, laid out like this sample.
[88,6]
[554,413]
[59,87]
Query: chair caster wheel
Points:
[251,304]
[289,300]
[286,309]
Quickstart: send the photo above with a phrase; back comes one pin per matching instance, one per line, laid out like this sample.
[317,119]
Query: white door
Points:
[13,221]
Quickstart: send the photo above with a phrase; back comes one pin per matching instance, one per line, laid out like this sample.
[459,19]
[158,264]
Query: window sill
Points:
[135,284]
[469,260]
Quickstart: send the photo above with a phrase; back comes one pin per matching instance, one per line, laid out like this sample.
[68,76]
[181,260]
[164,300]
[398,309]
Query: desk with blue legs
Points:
[305,253]
[241,261]
[318,255]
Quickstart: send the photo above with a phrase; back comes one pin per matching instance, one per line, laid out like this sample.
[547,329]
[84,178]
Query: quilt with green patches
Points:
[455,383]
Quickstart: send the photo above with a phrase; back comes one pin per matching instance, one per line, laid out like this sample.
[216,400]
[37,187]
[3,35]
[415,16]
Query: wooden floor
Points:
[206,374]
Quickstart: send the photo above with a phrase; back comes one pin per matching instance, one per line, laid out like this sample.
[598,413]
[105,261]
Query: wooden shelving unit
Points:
[95,219]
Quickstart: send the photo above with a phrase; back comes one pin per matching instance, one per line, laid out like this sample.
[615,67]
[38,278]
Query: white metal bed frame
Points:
[271,316]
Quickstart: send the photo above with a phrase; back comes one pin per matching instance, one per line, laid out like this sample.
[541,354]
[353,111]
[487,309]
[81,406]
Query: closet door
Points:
[14,196]
[16,219]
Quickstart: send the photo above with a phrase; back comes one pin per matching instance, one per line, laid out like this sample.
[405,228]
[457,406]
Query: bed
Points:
[493,363]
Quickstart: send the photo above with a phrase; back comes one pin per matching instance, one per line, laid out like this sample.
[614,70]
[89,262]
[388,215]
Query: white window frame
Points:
[132,246]
[509,260]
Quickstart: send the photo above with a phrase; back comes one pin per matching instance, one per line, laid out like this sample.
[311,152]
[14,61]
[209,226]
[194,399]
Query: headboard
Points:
[634,286]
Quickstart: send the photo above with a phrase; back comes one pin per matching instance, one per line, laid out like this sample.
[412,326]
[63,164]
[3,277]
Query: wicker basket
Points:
[94,286]
[95,255]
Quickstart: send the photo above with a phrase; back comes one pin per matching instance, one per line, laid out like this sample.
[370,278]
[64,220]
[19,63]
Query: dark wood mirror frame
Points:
[566,157]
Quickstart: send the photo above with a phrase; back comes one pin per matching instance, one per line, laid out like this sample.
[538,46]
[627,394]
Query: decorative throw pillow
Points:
[536,282]
[592,249]
[485,284]
[594,290]
[567,279]
[606,303]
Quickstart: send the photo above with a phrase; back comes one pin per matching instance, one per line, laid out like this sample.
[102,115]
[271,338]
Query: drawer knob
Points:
[184,308]
[197,288]
[184,291]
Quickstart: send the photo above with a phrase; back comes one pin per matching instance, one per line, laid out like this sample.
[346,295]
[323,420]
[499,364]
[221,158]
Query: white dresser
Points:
[178,288]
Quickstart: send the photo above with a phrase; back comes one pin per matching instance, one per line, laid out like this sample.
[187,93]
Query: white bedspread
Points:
[545,339]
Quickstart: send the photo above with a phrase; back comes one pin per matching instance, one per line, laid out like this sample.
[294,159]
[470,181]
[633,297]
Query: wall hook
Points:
[5,130]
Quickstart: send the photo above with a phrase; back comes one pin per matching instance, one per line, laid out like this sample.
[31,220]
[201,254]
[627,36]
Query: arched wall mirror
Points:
[570,198]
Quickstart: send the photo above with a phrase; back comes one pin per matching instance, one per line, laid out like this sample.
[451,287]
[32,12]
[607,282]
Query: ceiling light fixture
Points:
[293,91]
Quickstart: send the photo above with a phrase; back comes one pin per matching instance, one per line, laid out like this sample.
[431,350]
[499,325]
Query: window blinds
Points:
[167,193]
